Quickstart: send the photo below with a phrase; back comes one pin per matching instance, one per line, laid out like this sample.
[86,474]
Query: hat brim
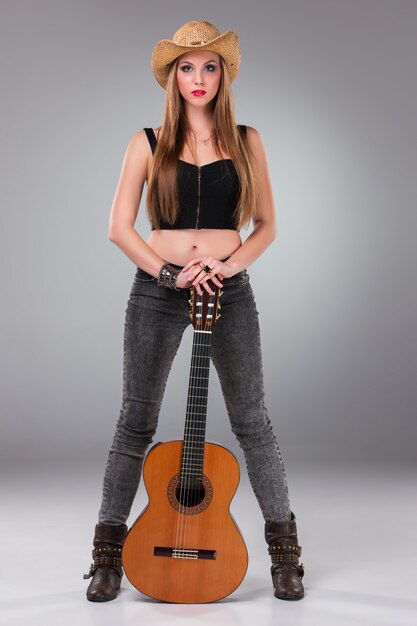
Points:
[166,51]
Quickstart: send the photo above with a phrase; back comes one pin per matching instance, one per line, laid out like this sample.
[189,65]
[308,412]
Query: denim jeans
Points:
[156,318]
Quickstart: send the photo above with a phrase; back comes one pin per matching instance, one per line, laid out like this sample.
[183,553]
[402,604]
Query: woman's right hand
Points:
[183,282]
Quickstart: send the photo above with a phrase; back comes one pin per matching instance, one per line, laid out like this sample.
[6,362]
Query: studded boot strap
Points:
[281,554]
[106,555]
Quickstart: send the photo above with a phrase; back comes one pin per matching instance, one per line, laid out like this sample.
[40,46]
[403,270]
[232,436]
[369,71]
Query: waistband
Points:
[181,266]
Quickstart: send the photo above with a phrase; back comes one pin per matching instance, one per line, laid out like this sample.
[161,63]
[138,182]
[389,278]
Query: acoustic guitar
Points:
[185,546]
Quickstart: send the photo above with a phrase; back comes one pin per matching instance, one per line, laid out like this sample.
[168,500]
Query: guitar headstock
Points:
[205,309]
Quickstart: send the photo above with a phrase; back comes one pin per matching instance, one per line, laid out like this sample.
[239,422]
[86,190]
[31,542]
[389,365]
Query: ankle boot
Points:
[284,550]
[106,568]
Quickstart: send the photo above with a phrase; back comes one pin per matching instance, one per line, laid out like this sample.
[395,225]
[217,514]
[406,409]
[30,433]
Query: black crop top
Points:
[207,193]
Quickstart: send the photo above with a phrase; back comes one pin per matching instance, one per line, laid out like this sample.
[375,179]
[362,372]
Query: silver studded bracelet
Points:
[167,276]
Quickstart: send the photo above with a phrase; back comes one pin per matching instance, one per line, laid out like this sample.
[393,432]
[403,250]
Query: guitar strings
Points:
[202,393]
[191,421]
[181,527]
[200,348]
[187,441]
[194,417]
[178,529]
[185,480]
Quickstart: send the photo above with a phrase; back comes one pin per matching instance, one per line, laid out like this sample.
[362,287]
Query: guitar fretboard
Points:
[196,415]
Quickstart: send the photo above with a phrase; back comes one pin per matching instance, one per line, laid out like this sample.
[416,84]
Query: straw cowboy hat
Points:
[196,35]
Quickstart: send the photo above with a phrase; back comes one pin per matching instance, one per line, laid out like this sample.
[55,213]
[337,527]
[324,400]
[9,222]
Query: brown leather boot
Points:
[106,568]
[284,550]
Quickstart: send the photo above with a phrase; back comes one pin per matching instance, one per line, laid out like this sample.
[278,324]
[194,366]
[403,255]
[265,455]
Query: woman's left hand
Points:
[198,276]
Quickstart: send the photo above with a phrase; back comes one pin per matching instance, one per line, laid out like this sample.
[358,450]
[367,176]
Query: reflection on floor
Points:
[356,527]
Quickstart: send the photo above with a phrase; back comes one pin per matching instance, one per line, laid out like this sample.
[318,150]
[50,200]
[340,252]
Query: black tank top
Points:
[207,193]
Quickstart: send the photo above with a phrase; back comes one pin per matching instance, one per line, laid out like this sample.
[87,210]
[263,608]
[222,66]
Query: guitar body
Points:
[185,545]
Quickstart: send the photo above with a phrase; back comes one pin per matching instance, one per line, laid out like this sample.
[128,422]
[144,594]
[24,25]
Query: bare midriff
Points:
[180,246]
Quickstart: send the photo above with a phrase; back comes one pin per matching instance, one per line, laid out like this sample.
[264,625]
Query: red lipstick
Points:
[199,92]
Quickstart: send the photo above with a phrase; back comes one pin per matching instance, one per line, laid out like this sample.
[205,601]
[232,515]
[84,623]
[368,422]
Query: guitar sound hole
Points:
[194,497]
[191,494]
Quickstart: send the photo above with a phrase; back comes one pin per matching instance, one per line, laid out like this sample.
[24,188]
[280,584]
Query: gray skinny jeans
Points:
[156,318]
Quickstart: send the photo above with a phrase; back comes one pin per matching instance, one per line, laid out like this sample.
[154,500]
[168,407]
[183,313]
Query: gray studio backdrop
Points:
[331,86]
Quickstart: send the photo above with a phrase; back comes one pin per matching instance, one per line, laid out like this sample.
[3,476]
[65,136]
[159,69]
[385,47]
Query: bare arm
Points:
[264,222]
[126,203]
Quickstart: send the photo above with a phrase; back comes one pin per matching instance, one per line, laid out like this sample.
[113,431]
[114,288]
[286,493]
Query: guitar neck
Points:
[196,415]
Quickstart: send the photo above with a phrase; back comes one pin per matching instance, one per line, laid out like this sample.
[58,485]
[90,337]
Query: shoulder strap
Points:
[151,137]
[242,130]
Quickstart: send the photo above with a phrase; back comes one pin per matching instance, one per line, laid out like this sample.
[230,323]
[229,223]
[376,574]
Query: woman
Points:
[220,174]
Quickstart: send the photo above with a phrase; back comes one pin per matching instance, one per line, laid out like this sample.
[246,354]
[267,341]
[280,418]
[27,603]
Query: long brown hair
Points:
[162,197]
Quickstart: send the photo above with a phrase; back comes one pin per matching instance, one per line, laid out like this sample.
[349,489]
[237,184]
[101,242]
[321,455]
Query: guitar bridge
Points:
[184,553]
